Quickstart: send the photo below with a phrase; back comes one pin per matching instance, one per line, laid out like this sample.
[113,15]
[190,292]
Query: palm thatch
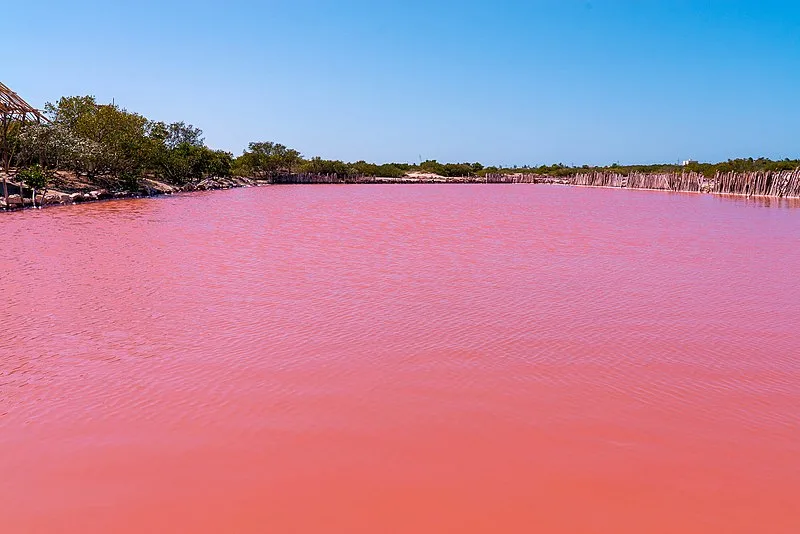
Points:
[14,114]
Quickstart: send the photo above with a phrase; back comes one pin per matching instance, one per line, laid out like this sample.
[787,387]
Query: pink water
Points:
[415,359]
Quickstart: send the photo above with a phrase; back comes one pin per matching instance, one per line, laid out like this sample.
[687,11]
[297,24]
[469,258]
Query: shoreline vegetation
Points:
[84,151]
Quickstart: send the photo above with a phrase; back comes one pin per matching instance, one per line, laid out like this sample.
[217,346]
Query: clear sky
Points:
[501,82]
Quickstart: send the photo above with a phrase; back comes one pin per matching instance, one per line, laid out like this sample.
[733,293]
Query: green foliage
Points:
[34,177]
[744,165]
[450,169]
[267,159]
[10,137]
[318,165]
[113,141]
[108,144]
[387,170]
[218,163]
[177,154]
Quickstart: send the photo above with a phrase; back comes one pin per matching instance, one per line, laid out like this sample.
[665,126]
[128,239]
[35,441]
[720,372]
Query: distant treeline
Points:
[709,170]
[115,148]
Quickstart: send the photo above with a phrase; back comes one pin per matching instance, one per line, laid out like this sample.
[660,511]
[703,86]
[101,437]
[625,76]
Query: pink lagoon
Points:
[402,358]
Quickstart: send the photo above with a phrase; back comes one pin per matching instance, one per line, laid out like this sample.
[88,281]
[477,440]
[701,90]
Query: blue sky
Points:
[502,82]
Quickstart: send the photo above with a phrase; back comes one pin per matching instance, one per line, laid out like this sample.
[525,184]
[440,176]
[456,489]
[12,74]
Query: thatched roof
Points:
[14,107]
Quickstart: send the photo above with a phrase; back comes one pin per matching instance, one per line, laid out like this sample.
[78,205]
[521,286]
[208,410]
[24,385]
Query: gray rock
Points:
[56,197]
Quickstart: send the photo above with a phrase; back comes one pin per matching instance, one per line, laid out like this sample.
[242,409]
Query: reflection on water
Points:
[767,202]
[402,359]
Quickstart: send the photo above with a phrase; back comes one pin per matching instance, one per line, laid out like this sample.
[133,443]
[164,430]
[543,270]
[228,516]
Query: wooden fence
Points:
[690,181]
[781,184]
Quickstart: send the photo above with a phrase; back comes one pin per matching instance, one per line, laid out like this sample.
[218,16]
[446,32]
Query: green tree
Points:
[35,178]
[177,154]
[114,140]
[317,165]
[267,159]
[218,163]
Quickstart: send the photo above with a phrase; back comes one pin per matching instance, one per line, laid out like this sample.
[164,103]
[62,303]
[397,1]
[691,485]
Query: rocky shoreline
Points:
[784,184]
[148,188]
